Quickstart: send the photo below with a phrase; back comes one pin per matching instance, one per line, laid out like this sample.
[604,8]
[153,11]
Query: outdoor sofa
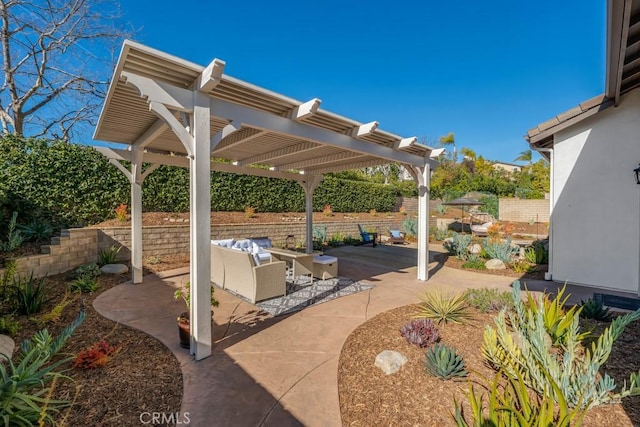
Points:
[244,268]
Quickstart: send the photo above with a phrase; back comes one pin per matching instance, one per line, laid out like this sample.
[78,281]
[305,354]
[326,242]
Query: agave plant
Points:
[443,308]
[592,309]
[444,362]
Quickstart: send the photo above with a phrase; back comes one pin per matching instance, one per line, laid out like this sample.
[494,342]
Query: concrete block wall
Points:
[74,247]
[523,210]
[171,240]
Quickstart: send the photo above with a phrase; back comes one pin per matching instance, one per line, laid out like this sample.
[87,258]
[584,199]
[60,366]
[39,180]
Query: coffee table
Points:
[301,263]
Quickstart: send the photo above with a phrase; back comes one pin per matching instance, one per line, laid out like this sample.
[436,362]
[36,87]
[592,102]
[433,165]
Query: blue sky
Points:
[487,71]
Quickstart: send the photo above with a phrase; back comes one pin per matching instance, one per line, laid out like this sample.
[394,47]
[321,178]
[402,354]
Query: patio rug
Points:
[301,294]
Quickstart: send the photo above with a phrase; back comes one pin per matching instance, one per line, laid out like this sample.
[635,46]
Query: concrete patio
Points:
[280,371]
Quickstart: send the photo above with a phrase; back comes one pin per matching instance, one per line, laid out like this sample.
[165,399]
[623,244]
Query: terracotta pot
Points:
[184,330]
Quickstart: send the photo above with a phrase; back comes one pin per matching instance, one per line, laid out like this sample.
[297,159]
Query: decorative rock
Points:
[6,346]
[114,269]
[390,361]
[495,264]
[474,249]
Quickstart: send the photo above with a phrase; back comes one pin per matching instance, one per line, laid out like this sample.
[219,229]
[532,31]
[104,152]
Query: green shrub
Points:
[410,226]
[443,308]
[474,264]
[502,250]
[458,245]
[439,234]
[7,279]
[14,237]
[521,266]
[36,230]
[525,349]
[444,362]
[87,270]
[30,294]
[9,326]
[84,284]
[25,397]
[537,253]
[489,204]
[486,300]
[592,309]
[109,256]
[511,405]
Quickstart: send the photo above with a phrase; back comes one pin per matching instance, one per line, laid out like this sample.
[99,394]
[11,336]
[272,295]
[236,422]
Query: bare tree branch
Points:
[57,60]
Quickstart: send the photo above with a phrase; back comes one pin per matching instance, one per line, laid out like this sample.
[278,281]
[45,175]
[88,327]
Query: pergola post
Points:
[309,187]
[136,216]
[200,219]
[422,176]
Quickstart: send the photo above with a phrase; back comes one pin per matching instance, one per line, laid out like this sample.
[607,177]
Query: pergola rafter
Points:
[183,114]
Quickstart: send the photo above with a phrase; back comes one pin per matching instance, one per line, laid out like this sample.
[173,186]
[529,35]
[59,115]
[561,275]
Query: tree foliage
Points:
[54,75]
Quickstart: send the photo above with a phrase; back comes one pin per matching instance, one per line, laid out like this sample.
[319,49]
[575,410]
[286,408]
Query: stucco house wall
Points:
[596,203]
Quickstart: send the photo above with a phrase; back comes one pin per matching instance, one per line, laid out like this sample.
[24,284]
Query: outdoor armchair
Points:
[367,237]
[396,237]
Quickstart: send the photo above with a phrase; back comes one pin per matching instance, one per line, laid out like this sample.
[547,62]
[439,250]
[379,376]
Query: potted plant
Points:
[184,327]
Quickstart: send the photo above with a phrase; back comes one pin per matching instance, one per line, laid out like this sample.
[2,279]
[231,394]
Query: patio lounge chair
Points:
[396,237]
[481,230]
[367,237]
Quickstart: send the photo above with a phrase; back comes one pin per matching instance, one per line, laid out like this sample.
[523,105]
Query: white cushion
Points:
[324,259]
[263,243]
[243,245]
[225,243]
[395,233]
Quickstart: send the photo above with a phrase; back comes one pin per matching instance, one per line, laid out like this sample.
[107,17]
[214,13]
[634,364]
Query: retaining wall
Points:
[523,210]
[72,249]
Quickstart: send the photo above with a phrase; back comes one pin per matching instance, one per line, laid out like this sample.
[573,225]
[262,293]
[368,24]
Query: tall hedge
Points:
[66,184]
[71,184]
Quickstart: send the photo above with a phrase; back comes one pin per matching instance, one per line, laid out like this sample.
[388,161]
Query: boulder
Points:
[474,249]
[6,346]
[495,264]
[114,269]
[390,361]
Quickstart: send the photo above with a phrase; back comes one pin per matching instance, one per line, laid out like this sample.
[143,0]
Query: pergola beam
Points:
[211,76]
[154,131]
[237,140]
[305,110]
[225,132]
[262,120]
[183,162]
[318,161]
[364,130]
[277,154]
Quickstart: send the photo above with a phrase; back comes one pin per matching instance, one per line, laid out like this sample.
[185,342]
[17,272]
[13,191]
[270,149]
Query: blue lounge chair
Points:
[368,237]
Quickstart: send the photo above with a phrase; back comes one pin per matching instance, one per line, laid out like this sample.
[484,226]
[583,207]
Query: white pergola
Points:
[170,111]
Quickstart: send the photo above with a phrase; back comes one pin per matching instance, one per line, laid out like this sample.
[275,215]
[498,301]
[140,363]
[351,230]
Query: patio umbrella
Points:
[462,202]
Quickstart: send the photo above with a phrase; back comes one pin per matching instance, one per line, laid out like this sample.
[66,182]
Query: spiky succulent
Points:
[420,332]
[592,309]
[444,362]
[443,308]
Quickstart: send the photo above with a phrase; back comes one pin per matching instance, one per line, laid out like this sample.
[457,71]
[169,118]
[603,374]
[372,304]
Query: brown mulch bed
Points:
[412,397]
[453,262]
[143,376]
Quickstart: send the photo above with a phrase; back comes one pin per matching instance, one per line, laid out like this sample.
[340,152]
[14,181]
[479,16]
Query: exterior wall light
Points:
[637,172]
